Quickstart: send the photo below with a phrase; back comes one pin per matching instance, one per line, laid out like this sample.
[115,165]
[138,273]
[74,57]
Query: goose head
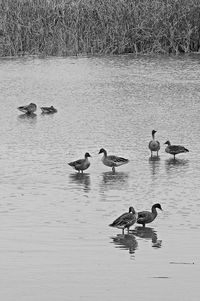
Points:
[153,132]
[132,210]
[87,155]
[167,142]
[102,150]
[157,205]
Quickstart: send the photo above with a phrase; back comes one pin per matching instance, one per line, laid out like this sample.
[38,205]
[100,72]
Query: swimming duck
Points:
[112,161]
[48,110]
[175,149]
[81,164]
[126,220]
[146,217]
[154,145]
[29,109]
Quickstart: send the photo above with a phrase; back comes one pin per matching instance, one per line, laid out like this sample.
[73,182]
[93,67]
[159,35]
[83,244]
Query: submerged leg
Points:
[123,231]
[113,169]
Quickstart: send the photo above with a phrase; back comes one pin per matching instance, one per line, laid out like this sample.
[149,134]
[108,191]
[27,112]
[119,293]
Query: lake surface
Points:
[55,239]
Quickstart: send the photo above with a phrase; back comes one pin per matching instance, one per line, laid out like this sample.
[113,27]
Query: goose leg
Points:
[113,169]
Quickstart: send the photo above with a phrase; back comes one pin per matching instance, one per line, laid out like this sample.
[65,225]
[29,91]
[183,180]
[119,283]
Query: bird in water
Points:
[48,110]
[146,217]
[126,220]
[154,145]
[112,161]
[81,164]
[175,149]
[28,109]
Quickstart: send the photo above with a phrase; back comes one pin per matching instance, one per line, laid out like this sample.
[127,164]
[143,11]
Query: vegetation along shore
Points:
[65,27]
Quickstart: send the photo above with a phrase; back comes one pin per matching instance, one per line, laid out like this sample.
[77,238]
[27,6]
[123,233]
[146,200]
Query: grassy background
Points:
[58,27]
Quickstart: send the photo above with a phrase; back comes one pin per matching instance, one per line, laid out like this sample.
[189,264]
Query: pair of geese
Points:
[128,219]
[115,161]
[32,107]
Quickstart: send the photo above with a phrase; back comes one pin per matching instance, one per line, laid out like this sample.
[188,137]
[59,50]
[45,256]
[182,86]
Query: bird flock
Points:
[32,107]
[127,219]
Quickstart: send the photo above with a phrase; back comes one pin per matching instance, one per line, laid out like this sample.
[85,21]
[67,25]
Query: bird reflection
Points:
[154,163]
[29,117]
[148,234]
[175,164]
[114,180]
[82,179]
[125,242]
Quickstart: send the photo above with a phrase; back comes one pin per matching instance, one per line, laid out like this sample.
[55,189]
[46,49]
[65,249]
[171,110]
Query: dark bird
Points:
[28,109]
[48,110]
[126,220]
[175,149]
[146,217]
[81,164]
[154,145]
[112,161]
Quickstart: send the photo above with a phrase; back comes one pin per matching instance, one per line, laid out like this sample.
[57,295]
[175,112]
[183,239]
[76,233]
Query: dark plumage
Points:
[112,161]
[28,109]
[146,217]
[175,149]
[81,164]
[154,145]
[126,220]
[48,110]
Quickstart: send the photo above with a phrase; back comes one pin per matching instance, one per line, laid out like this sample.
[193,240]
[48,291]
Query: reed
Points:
[71,27]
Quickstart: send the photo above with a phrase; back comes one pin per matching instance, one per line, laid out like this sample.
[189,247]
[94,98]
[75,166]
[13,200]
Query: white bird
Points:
[154,145]
[112,161]
[126,220]
[81,164]
[175,149]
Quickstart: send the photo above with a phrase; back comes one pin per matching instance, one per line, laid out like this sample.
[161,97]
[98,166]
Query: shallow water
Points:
[55,239]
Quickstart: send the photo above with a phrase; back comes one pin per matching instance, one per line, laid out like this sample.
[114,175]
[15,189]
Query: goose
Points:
[154,145]
[126,220]
[146,217]
[48,110]
[112,161]
[28,109]
[81,164]
[175,149]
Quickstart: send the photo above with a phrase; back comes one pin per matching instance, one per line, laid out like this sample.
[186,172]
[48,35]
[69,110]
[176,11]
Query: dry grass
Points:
[58,27]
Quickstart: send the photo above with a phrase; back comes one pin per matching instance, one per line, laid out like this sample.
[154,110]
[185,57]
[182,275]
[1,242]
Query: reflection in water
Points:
[125,242]
[154,163]
[28,117]
[114,180]
[176,164]
[82,179]
[148,234]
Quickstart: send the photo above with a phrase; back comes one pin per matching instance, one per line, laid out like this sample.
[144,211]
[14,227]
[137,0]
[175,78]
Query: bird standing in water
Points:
[175,149]
[146,217]
[126,220]
[154,145]
[112,161]
[81,164]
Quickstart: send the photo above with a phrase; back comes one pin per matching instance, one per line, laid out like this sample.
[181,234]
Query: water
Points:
[55,239]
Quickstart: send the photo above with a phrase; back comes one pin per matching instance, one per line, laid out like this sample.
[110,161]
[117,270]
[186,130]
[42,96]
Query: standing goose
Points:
[175,149]
[154,145]
[29,109]
[81,164]
[146,217]
[125,220]
[112,161]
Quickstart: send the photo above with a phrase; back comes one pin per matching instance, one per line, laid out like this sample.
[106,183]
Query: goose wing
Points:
[77,162]
[116,159]
[178,149]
